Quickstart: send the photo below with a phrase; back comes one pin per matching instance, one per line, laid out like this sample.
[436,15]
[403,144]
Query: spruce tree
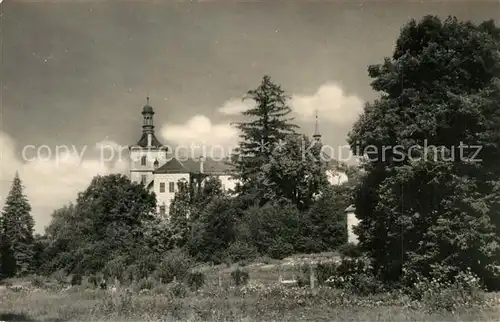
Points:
[17,232]
[269,124]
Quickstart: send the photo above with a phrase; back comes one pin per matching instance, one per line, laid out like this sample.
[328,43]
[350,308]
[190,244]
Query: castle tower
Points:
[148,154]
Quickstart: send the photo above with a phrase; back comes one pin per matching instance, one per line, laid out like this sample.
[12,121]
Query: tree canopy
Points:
[420,205]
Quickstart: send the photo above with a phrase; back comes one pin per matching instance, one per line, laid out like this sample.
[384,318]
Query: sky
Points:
[75,74]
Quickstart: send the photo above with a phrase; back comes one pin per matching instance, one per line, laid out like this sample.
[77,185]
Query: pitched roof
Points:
[143,142]
[210,166]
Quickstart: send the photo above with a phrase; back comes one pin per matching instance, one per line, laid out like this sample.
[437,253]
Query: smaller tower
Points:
[147,125]
[316,135]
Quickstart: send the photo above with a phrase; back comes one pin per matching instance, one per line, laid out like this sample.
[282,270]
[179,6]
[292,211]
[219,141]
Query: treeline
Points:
[430,216]
[284,205]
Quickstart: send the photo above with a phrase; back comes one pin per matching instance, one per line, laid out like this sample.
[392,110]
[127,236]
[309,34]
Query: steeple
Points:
[147,114]
[148,138]
[316,135]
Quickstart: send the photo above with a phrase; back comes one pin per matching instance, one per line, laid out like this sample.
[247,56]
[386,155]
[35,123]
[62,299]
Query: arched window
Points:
[143,160]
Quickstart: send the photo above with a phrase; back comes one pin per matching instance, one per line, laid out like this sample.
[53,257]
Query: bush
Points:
[195,280]
[37,281]
[178,289]
[144,284]
[93,280]
[176,265]
[355,276]
[303,275]
[280,250]
[116,267]
[61,277]
[436,293]
[76,279]
[350,250]
[240,276]
[324,271]
[240,251]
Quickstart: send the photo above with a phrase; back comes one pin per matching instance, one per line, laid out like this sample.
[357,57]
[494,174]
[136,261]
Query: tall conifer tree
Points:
[17,232]
[269,124]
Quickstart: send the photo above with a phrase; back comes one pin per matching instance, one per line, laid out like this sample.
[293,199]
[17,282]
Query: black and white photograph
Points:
[249,160]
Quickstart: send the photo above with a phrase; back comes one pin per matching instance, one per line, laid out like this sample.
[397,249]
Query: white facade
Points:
[142,163]
[228,182]
[352,221]
[165,186]
[335,177]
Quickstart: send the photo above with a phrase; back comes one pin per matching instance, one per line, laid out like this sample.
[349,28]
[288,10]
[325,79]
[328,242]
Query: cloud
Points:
[200,131]
[52,176]
[333,104]
[236,106]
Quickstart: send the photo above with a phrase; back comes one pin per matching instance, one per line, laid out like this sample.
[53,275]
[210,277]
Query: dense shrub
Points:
[438,293]
[280,250]
[175,264]
[76,279]
[324,271]
[240,276]
[178,289]
[303,275]
[37,281]
[240,251]
[350,250]
[93,280]
[195,280]
[356,276]
[60,276]
[144,284]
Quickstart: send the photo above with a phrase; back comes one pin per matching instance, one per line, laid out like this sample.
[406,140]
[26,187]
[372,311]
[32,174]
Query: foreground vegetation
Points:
[261,298]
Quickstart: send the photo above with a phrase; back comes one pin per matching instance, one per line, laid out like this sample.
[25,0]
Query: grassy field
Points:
[263,299]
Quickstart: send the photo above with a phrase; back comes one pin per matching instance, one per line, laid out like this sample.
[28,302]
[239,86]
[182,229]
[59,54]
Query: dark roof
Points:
[351,208]
[147,109]
[143,142]
[210,166]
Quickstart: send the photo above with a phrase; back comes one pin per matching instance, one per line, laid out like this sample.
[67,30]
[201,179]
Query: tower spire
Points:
[316,135]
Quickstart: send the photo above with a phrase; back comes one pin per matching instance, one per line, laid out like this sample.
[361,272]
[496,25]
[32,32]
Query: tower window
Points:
[143,160]
[162,186]
[171,187]
[143,179]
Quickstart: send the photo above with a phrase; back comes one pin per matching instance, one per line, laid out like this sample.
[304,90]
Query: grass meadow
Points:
[263,298]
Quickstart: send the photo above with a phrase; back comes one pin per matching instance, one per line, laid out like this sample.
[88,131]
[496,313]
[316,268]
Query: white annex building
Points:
[155,167]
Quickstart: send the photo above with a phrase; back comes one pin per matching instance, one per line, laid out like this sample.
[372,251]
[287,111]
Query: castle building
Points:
[153,165]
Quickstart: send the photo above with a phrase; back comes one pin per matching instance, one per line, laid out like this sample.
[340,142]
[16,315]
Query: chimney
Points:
[202,160]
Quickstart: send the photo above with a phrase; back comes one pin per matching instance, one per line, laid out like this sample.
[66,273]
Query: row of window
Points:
[171,187]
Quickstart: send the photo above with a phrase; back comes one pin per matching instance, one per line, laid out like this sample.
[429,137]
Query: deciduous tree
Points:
[423,206]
